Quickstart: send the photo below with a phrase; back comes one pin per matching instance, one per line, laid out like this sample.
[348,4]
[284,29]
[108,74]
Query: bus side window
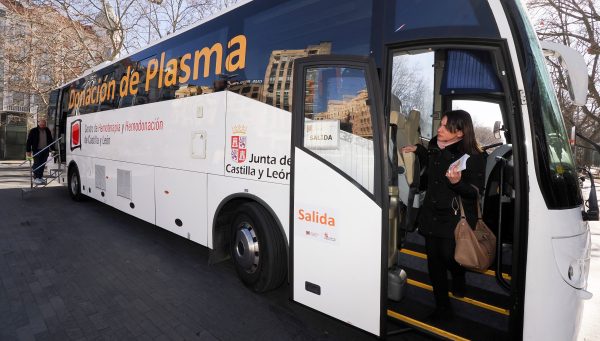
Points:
[338,123]
[143,96]
[412,87]
[128,99]
[105,101]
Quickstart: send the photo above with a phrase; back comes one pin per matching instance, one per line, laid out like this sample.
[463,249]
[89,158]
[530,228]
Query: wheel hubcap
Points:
[246,248]
[74,184]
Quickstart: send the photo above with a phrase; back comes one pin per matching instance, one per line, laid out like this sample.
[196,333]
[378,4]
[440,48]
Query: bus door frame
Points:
[513,119]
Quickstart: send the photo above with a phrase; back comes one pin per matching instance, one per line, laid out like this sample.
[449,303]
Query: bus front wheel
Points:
[257,248]
[74,184]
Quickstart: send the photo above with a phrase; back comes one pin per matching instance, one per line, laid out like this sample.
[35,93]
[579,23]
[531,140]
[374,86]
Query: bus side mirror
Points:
[497,129]
[592,201]
[592,213]
[575,66]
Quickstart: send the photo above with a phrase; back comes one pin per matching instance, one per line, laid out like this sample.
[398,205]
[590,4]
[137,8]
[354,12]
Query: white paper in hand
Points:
[461,163]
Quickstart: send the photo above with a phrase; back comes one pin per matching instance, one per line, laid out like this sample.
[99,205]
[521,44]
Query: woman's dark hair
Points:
[461,120]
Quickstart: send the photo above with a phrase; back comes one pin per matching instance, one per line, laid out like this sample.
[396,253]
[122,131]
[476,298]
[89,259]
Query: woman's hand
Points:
[409,149]
[453,175]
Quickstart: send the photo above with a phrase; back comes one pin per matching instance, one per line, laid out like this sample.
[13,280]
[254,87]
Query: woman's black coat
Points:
[437,218]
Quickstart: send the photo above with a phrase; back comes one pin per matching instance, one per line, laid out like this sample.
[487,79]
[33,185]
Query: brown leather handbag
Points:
[475,249]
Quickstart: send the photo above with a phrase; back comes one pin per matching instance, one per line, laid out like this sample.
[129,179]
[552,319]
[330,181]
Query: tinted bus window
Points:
[250,52]
[418,19]
[304,29]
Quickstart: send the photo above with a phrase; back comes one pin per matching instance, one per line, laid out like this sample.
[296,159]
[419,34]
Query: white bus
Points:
[270,135]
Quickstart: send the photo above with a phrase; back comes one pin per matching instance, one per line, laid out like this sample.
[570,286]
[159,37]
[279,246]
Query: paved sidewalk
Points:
[85,271]
[16,174]
[13,174]
[82,271]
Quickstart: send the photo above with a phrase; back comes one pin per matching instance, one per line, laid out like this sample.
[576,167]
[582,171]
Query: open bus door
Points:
[338,242]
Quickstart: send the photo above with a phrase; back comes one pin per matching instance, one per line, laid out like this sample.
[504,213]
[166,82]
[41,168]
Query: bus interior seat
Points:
[504,151]
[408,163]
[407,134]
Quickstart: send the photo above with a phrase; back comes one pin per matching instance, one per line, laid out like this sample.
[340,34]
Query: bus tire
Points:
[258,248]
[74,184]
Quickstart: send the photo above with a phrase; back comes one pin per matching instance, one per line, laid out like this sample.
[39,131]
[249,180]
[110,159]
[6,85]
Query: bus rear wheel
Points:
[257,248]
[74,184]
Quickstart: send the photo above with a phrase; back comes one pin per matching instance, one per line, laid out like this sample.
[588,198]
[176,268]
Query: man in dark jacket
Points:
[39,138]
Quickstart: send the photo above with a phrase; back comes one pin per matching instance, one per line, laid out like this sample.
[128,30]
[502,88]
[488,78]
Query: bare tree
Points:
[41,50]
[410,86]
[48,42]
[133,24]
[157,20]
[575,23]
[219,5]
[112,18]
[485,135]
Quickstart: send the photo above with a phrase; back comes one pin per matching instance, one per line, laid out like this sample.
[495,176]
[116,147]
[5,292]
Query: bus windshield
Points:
[555,153]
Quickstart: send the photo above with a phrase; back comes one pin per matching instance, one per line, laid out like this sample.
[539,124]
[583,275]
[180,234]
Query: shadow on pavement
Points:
[86,271]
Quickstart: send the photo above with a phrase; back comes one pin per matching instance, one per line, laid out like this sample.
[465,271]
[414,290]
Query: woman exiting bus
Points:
[440,212]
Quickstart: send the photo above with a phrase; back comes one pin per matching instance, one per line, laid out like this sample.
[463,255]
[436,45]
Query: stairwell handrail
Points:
[43,164]
[48,146]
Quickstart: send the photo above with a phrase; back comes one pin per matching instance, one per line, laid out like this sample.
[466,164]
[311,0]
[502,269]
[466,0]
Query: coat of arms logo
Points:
[238,143]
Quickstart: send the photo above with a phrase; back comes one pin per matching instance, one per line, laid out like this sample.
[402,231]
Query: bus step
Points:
[466,323]
[456,330]
[418,251]
[476,294]
[424,327]
[466,299]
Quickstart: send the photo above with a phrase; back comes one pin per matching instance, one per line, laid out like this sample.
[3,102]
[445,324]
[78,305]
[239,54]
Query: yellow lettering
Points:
[185,68]
[124,85]
[160,72]
[151,72]
[217,49]
[176,70]
[171,75]
[88,96]
[103,94]
[240,53]
[72,95]
[112,85]
[133,82]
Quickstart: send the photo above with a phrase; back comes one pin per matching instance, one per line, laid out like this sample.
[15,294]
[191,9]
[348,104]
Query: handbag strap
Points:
[462,210]
[478,202]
